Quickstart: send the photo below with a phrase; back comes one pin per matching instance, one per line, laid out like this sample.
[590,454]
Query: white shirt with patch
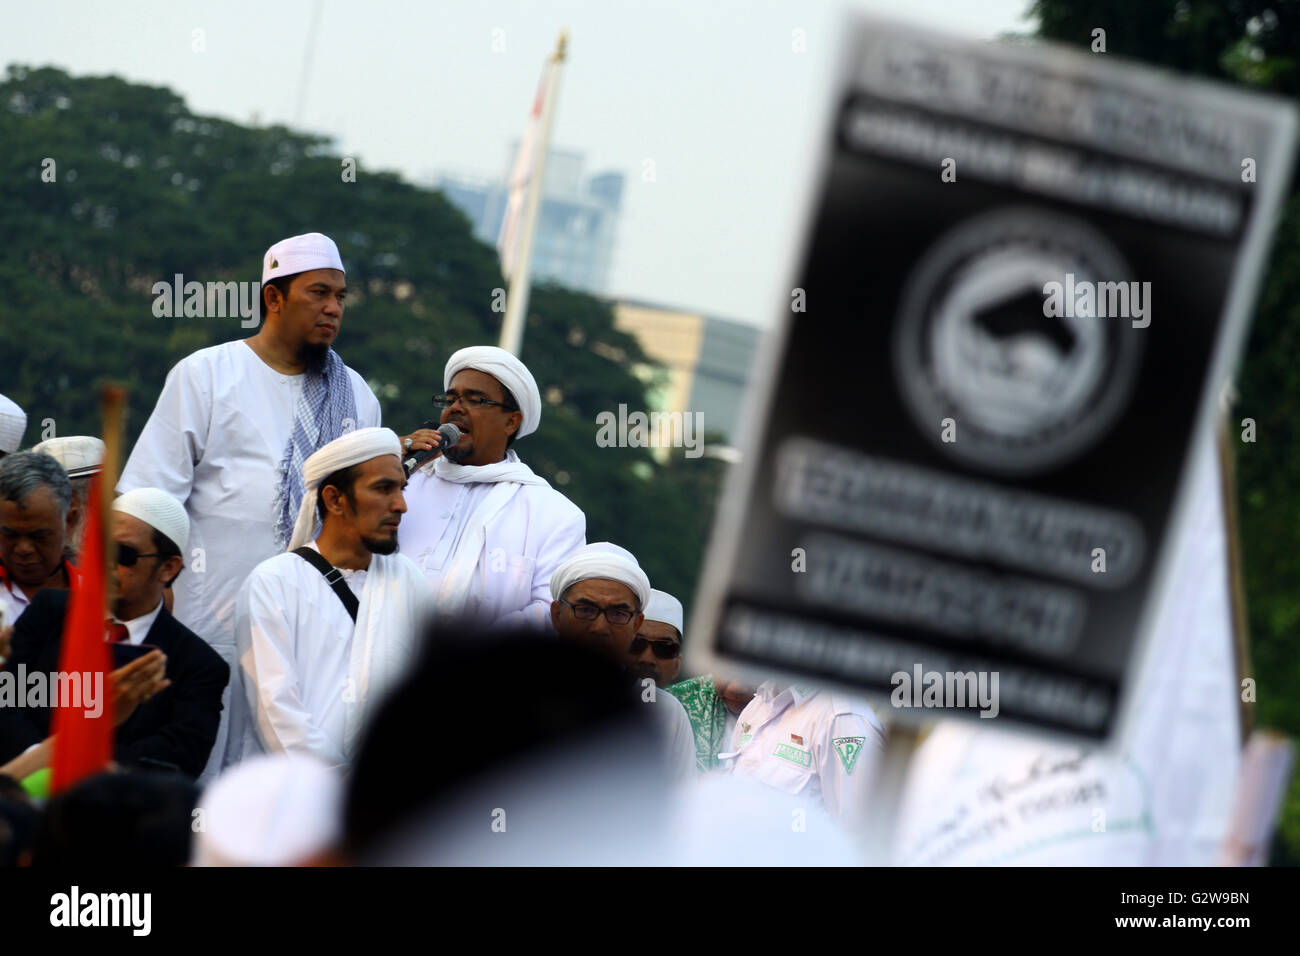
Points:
[819,746]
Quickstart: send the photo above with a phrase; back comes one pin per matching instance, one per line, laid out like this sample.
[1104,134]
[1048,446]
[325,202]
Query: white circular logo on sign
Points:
[1027,391]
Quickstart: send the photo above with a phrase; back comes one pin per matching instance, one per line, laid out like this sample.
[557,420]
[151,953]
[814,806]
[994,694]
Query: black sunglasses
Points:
[665,649]
[127,556]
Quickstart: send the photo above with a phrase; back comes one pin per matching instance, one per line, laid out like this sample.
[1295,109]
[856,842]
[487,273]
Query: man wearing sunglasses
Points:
[486,531]
[600,593]
[167,701]
[656,650]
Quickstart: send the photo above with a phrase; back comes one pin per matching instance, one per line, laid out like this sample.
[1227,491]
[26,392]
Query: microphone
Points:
[448,434]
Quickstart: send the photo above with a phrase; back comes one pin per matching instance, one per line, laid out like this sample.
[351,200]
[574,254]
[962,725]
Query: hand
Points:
[136,683]
[421,439]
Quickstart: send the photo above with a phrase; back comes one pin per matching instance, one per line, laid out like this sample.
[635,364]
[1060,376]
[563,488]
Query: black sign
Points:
[1026,275]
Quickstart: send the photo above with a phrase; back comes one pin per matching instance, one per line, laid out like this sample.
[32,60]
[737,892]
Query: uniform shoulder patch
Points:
[848,748]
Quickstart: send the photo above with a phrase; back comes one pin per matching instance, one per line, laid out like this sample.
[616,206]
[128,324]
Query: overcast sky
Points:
[712,91]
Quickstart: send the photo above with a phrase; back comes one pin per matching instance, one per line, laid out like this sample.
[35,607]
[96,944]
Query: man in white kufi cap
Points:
[600,596]
[271,810]
[656,651]
[82,457]
[324,629]
[167,701]
[236,422]
[13,422]
[486,531]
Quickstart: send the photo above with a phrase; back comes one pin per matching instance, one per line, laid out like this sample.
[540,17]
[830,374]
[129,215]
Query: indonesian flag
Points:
[526,163]
[83,743]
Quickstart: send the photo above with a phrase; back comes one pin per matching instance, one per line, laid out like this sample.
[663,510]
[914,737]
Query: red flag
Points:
[84,744]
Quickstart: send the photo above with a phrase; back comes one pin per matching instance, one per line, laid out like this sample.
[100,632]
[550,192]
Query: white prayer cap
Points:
[507,370]
[311,250]
[159,511]
[80,455]
[664,608]
[602,560]
[13,422]
[343,452]
[270,810]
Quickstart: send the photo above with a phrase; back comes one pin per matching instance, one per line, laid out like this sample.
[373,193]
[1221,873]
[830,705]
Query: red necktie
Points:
[117,633]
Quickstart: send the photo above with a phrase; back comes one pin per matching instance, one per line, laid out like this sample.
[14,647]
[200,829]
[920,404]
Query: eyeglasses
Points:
[589,612]
[665,650]
[468,401]
[127,556]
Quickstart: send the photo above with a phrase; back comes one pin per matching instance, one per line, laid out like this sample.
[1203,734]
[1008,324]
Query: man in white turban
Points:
[656,651]
[324,629]
[600,595]
[234,425]
[484,529]
[13,422]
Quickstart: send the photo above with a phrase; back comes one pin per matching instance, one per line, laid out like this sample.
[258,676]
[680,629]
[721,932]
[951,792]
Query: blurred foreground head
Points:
[114,819]
[270,810]
[510,749]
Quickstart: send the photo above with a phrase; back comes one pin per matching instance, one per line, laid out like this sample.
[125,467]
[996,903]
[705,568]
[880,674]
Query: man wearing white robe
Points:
[232,428]
[308,674]
[486,531]
[600,595]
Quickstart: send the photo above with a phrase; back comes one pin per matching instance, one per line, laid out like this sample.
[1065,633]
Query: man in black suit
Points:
[168,701]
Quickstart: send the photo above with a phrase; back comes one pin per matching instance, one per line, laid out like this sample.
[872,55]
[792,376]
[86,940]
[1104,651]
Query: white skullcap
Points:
[602,560]
[507,370]
[13,422]
[343,452]
[270,810]
[665,609]
[311,250]
[80,455]
[159,511]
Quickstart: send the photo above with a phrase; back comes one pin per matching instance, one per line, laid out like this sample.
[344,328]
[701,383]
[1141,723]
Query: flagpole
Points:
[112,404]
[512,328]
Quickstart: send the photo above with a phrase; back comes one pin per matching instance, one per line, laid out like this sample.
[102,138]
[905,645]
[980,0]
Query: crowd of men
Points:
[278,575]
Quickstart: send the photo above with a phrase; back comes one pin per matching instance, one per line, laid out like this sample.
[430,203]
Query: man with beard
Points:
[324,629]
[234,425]
[486,531]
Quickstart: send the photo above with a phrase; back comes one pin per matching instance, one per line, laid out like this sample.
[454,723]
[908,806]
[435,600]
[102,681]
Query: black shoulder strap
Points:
[333,577]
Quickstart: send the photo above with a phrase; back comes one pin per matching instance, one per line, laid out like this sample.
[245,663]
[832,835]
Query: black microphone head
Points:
[450,432]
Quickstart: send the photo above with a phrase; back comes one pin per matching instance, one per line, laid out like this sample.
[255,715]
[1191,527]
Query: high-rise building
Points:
[708,360]
[576,224]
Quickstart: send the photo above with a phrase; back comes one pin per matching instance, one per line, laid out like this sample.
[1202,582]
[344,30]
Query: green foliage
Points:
[1255,43]
[145,190]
